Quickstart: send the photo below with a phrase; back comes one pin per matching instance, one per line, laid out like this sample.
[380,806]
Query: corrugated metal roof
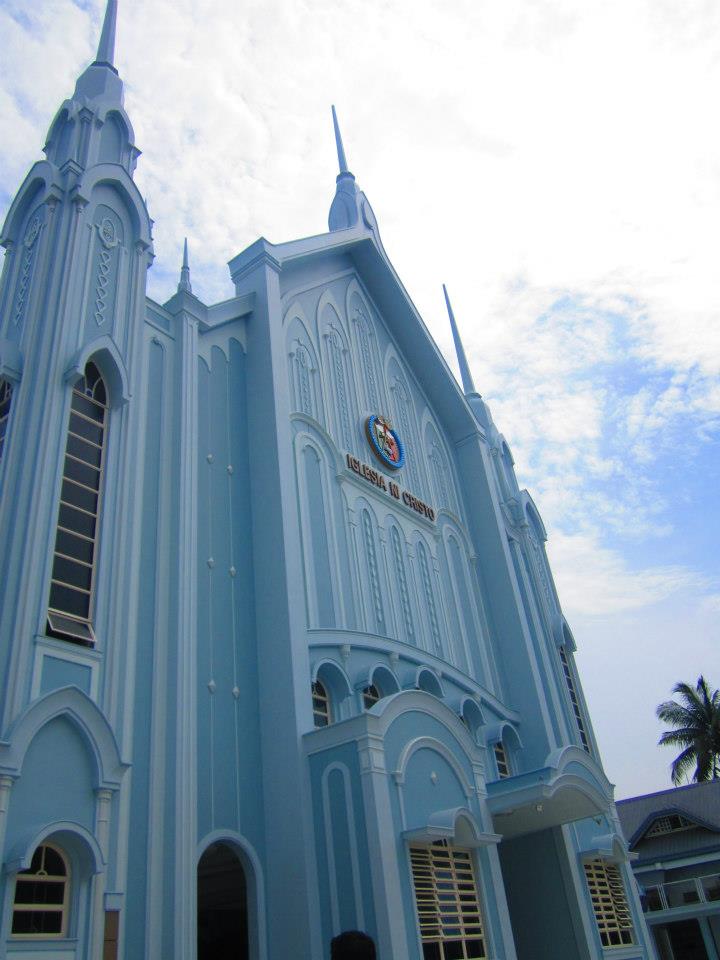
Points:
[699,802]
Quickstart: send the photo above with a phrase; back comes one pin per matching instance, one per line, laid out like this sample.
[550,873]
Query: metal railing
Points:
[681,893]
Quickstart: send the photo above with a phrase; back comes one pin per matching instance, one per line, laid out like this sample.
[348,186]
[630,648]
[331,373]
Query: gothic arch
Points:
[339,386]
[304,370]
[108,174]
[364,334]
[67,834]
[104,352]
[37,188]
[85,715]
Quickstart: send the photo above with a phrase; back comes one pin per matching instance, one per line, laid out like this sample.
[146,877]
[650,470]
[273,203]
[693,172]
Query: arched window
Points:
[322,714]
[71,593]
[371,695]
[40,907]
[5,403]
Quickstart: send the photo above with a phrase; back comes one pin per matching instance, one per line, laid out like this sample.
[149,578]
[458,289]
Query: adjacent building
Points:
[280,650]
[674,836]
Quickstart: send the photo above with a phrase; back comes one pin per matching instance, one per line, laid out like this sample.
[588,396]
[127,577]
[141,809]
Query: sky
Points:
[557,164]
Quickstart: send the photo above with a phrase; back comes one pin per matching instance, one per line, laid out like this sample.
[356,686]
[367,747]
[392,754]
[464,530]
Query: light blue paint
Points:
[239,558]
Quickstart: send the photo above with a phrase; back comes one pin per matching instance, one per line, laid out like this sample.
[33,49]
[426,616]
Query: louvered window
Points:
[321,705]
[577,711]
[448,906]
[41,896]
[501,760]
[71,591]
[5,403]
[612,912]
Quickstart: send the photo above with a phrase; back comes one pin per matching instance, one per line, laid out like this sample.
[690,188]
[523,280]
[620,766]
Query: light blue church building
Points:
[280,649]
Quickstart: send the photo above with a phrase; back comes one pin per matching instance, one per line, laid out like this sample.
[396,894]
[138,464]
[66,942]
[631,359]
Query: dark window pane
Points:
[431,951]
[84,451]
[78,496]
[75,520]
[69,601]
[71,573]
[73,546]
[39,891]
[87,407]
[88,476]
[90,431]
[37,921]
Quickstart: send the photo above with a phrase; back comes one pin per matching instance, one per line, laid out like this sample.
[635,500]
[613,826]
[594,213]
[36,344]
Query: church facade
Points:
[280,650]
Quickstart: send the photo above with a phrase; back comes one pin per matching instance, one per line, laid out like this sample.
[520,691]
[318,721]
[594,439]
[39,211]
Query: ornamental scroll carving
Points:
[29,246]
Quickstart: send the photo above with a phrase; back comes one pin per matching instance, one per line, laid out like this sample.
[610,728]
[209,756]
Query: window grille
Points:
[5,404]
[40,907]
[371,695]
[501,760]
[612,912]
[570,681]
[321,705]
[71,591]
[669,824]
[448,906]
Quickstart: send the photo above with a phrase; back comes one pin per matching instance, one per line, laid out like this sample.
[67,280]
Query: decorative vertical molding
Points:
[6,783]
[430,600]
[337,358]
[373,572]
[402,583]
[99,882]
[185,923]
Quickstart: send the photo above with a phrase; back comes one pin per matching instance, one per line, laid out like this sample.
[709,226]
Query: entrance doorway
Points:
[222,905]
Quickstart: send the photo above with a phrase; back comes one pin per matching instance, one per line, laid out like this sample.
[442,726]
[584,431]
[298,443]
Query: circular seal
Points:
[384,442]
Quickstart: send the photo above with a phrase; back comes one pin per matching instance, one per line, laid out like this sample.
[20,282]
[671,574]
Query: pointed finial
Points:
[106,47]
[185,272]
[466,376]
[338,141]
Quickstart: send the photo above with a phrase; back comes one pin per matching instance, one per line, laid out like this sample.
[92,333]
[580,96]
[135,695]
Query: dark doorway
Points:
[222,906]
[687,940]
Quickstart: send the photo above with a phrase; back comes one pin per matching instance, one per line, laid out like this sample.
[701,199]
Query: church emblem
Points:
[384,441]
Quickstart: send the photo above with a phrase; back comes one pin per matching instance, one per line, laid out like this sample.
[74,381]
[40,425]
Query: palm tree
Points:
[697,730]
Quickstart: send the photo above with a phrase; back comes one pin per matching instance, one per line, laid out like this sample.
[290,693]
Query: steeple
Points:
[100,79]
[185,272]
[106,47]
[350,206]
[466,376]
[342,162]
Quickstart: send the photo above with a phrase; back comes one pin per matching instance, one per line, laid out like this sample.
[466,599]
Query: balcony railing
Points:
[681,893]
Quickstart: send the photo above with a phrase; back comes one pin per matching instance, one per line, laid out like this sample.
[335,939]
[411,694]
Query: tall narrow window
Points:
[71,592]
[5,403]
[40,908]
[321,705]
[448,906]
[612,913]
[501,760]
[570,681]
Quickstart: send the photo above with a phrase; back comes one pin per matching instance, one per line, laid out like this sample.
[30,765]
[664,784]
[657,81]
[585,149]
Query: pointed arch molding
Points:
[105,351]
[115,176]
[436,746]
[85,715]
[40,185]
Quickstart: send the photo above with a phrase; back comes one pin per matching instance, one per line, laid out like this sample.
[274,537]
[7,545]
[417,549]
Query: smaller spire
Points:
[467,380]
[184,284]
[106,47]
[338,141]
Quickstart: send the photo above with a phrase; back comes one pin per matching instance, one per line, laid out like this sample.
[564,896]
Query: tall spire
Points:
[467,380]
[106,47]
[342,162]
[185,272]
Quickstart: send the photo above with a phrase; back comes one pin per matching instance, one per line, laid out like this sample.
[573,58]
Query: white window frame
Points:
[611,907]
[321,703]
[502,760]
[447,898]
[63,909]
[61,623]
